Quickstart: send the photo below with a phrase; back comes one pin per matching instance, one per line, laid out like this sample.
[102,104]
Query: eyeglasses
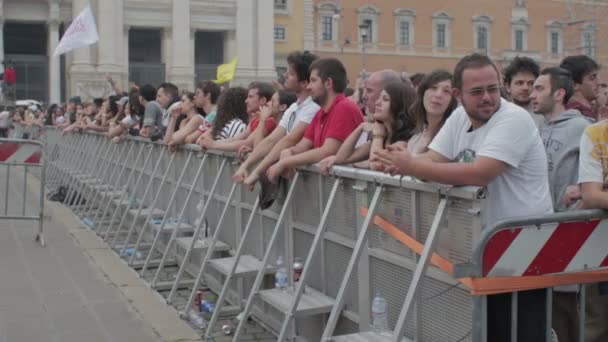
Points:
[478,92]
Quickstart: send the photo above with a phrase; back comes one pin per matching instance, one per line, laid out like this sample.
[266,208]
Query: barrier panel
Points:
[19,159]
[357,233]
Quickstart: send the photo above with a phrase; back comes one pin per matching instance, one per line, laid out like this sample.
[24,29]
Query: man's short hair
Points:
[521,64]
[300,61]
[472,61]
[171,89]
[98,102]
[287,98]
[208,87]
[389,76]
[265,90]
[579,66]
[148,92]
[560,79]
[331,68]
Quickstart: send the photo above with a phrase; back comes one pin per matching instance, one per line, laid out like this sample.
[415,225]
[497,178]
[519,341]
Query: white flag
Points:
[82,32]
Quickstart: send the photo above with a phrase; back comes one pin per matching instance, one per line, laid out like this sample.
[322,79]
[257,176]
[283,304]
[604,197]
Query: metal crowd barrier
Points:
[18,160]
[182,212]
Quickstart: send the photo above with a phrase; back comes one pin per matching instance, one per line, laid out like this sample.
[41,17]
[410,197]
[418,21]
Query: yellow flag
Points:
[225,72]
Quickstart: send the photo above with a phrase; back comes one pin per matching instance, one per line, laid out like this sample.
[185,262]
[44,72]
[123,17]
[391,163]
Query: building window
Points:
[588,44]
[280,5]
[327,27]
[404,33]
[367,37]
[481,34]
[404,27]
[555,42]
[279,33]
[368,19]
[440,29]
[482,38]
[519,40]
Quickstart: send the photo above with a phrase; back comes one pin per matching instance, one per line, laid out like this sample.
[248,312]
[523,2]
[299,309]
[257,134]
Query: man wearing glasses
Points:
[488,142]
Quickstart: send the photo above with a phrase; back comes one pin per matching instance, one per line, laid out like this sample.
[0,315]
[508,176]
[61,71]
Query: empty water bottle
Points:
[87,221]
[281,278]
[197,320]
[379,314]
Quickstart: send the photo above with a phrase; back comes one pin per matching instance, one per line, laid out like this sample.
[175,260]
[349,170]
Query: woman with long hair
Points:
[434,104]
[392,125]
[188,125]
[231,118]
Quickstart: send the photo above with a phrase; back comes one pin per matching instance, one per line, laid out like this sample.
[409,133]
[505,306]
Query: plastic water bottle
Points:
[197,320]
[87,221]
[281,279]
[379,314]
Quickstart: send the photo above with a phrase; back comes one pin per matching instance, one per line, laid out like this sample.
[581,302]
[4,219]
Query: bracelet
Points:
[378,136]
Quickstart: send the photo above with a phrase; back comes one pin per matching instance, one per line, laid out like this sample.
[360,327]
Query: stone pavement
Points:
[78,289]
[75,288]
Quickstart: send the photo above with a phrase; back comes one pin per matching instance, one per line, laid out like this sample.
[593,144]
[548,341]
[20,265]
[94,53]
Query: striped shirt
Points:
[232,129]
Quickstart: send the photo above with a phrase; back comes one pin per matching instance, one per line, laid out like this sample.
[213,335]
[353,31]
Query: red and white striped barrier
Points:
[20,152]
[554,248]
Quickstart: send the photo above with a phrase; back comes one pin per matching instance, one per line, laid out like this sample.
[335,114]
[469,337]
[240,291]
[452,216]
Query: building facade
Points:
[419,36]
[292,25]
[146,41]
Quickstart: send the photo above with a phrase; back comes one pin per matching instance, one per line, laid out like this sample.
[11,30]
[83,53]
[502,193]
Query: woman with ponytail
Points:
[393,125]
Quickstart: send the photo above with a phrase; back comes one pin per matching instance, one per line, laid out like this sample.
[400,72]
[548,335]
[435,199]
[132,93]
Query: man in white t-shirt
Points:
[489,142]
[293,124]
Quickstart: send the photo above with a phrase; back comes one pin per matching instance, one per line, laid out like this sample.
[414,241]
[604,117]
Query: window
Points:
[367,36]
[440,29]
[482,38]
[404,27]
[327,27]
[404,33]
[368,19]
[280,5]
[519,40]
[588,44]
[555,42]
[328,15]
[279,33]
[481,32]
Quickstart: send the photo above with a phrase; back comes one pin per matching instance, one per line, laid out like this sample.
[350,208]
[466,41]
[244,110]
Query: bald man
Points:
[373,87]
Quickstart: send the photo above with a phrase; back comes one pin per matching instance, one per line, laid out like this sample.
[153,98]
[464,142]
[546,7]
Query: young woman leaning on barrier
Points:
[231,118]
[392,125]
[434,104]
[193,119]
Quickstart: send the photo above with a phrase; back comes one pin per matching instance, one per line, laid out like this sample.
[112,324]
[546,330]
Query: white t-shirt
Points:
[232,129]
[511,137]
[303,112]
[593,162]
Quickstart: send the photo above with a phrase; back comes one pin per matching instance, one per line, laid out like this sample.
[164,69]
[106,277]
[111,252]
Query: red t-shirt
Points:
[270,125]
[342,118]
[10,76]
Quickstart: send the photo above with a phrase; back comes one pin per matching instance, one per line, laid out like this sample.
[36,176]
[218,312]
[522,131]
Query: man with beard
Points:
[334,122]
[519,79]
[493,143]
[293,124]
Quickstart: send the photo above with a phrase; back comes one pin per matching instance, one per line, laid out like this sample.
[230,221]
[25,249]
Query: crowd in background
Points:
[536,139]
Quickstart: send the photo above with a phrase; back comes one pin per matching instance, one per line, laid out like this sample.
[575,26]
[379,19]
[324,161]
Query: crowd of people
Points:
[536,139]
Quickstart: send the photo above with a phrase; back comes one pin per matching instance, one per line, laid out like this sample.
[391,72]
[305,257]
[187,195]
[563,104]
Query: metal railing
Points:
[182,211]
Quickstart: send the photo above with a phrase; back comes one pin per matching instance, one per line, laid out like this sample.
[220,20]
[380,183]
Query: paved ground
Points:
[75,288]
[78,289]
